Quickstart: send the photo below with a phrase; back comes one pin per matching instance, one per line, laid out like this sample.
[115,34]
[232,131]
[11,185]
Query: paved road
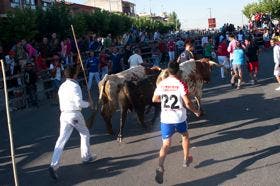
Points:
[236,143]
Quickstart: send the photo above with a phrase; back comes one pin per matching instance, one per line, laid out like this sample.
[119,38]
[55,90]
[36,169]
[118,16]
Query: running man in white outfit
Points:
[71,103]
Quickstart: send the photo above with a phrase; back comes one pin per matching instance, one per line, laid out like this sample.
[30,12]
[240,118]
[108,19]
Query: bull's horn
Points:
[212,63]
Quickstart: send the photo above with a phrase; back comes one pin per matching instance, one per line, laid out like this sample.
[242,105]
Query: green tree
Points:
[79,23]
[19,24]
[173,19]
[265,6]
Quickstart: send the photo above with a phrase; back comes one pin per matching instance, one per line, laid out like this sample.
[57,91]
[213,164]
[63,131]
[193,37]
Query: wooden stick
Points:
[9,124]
[89,122]
[82,65]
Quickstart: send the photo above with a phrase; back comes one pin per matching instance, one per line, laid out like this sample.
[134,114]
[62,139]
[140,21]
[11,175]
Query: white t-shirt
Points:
[58,72]
[171,90]
[70,96]
[135,60]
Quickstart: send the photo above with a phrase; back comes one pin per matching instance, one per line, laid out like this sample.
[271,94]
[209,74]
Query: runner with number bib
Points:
[173,95]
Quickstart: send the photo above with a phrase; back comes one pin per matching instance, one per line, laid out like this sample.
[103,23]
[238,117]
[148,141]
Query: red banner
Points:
[212,22]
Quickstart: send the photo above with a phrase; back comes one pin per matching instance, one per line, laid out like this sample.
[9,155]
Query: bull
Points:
[131,90]
[195,73]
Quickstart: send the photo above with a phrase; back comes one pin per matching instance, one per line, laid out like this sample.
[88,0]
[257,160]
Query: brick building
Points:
[8,5]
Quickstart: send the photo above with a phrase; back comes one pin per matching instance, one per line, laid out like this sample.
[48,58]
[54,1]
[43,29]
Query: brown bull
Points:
[195,73]
[116,91]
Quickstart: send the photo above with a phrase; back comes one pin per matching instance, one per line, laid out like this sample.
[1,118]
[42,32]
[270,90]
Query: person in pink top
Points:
[231,46]
[31,51]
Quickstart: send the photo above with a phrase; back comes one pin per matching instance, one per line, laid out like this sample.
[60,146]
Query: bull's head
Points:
[205,71]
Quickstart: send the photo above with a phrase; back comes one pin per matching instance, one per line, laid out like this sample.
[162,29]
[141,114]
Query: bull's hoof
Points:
[202,112]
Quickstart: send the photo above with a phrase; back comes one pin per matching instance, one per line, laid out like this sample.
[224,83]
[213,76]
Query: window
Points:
[46,4]
[15,3]
[30,4]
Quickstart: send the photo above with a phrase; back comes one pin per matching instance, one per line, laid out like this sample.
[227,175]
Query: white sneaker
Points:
[277,89]
[90,159]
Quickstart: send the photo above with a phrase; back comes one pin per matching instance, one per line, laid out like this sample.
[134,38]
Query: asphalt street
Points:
[236,142]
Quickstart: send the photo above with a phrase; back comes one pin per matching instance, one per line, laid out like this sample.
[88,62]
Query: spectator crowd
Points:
[27,62]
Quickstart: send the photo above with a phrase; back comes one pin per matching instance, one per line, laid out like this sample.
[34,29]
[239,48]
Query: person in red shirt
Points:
[171,49]
[104,62]
[223,56]
[163,49]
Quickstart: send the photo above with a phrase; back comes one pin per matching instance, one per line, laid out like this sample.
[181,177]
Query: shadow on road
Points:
[220,178]
[78,173]
[247,110]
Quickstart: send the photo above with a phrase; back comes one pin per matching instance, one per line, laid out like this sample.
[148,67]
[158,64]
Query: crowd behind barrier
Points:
[34,69]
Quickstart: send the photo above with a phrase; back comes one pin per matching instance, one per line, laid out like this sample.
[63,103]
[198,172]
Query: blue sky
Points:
[194,13]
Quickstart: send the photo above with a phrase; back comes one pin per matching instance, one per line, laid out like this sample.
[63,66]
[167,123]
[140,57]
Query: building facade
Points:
[9,5]
[119,6]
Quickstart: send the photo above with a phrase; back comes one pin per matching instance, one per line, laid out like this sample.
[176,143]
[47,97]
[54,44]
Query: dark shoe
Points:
[232,85]
[186,163]
[53,173]
[90,160]
[159,175]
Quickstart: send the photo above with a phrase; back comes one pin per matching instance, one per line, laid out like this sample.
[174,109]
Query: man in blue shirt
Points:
[237,65]
[93,65]
[116,61]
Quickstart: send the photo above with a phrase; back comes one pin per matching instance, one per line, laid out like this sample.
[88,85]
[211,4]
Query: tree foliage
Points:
[18,25]
[173,20]
[271,7]
[35,24]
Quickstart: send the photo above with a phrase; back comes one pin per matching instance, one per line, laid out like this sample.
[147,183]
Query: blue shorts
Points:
[167,130]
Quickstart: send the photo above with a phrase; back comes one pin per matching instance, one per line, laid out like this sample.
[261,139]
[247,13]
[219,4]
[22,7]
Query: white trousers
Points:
[223,60]
[68,121]
[96,75]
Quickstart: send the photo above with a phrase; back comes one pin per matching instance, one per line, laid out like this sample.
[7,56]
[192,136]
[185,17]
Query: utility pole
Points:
[110,8]
[210,11]
[150,9]
[242,19]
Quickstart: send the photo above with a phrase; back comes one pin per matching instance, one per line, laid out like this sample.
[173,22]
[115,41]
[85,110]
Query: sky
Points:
[194,13]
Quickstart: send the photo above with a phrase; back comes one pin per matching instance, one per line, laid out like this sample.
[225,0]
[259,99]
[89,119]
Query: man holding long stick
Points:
[71,103]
